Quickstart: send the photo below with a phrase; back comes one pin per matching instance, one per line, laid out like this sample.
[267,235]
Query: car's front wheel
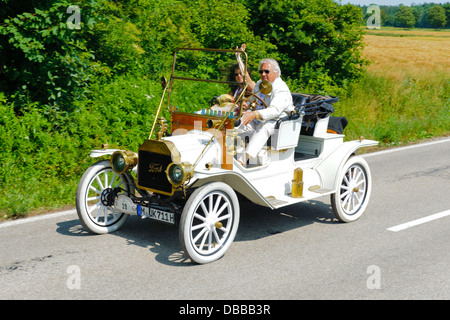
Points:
[209,222]
[94,200]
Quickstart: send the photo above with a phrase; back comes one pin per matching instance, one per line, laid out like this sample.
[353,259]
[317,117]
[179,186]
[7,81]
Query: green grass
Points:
[394,112]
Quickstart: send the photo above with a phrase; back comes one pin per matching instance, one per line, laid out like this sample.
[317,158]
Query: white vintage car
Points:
[190,178]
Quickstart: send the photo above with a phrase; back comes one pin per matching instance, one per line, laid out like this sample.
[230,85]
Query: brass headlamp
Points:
[179,173]
[123,160]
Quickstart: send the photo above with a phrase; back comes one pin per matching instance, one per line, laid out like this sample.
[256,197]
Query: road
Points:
[299,252]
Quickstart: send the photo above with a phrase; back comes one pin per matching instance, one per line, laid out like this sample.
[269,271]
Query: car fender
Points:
[331,166]
[236,181]
[102,152]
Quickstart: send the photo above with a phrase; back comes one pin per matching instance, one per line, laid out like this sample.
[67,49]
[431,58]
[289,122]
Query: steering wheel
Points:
[252,105]
[265,87]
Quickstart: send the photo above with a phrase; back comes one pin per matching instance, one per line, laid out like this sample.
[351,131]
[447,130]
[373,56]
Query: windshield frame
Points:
[244,84]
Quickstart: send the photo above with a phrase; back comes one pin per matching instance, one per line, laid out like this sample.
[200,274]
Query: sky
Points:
[392,2]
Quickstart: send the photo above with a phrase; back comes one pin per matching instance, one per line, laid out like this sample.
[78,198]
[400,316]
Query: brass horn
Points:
[265,87]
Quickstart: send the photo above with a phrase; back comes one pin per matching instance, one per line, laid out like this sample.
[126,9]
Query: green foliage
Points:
[42,59]
[393,112]
[35,160]
[115,41]
[405,17]
[421,13]
[437,17]
[318,42]
[447,13]
[41,166]
[169,24]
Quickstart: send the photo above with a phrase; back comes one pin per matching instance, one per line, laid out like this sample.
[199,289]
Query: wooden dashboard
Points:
[181,122]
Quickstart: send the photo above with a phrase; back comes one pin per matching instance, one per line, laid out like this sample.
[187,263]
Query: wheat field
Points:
[404,97]
[399,53]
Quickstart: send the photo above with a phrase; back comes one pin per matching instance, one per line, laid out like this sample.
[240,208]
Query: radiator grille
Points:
[152,171]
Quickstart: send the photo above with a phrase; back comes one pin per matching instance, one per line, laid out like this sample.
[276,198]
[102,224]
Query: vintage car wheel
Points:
[353,193]
[94,201]
[209,222]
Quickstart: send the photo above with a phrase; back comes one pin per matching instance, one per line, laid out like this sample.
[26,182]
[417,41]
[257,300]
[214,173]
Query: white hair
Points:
[273,63]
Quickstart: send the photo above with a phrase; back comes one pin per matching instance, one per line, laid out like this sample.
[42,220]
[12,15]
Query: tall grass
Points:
[395,112]
[404,96]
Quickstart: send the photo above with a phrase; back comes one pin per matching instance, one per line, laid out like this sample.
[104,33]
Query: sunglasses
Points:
[264,71]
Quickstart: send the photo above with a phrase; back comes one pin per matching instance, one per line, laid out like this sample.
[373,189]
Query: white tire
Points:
[95,214]
[209,222]
[353,191]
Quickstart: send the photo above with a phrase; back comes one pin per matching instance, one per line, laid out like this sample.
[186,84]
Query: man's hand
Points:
[248,117]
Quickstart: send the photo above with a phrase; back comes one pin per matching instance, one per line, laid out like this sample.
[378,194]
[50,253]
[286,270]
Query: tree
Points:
[417,14]
[437,17]
[42,58]
[318,41]
[405,18]
[162,26]
[447,13]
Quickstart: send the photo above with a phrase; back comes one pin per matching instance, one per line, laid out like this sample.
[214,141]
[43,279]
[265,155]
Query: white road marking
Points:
[414,223]
[414,146]
[37,218]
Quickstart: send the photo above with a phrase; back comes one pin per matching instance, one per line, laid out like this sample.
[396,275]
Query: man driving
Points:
[260,124]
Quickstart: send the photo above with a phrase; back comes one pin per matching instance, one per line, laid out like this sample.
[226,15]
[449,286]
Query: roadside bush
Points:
[41,165]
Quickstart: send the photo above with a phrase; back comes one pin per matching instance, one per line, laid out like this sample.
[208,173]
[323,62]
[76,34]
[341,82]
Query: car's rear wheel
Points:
[209,222]
[353,193]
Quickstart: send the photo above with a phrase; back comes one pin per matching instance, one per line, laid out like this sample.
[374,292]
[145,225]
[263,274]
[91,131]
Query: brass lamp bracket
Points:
[162,122]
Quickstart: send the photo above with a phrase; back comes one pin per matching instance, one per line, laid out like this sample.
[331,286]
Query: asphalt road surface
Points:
[299,252]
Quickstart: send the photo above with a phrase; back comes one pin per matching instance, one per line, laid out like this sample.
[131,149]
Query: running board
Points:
[277,203]
[274,202]
[318,189]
